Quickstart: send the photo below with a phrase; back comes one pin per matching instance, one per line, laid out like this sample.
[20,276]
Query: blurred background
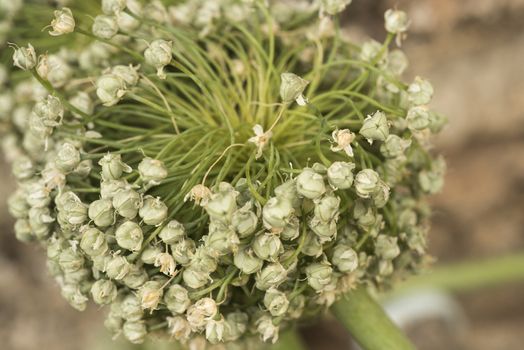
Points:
[473,53]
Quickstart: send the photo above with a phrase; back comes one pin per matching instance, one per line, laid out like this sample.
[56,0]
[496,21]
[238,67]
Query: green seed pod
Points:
[158,55]
[326,231]
[93,242]
[276,302]
[40,220]
[127,202]
[236,325]
[277,213]
[67,158]
[153,211]
[310,184]
[129,236]
[366,182]
[179,328]
[312,245]
[183,251]
[60,72]
[292,87]
[177,299]
[340,175]
[72,293]
[136,277]
[110,89]
[150,294]
[23,168]
[113,167]
[150,253]
[113,322]
[418,118]
[103,292]
[102,213]
[152,171]
[288,192]
[244,221]
[292,230]
[117,267]
[17,204]
[71,260]
[319,275]
[327,208]
[222,205]
[432,180]
[267,329]
[296,306]
[420,92]
[267,246]
[112,7]
[172,233]
[128,74]
[345,258]
[394,146]
[105,27]
[195,278]
[381,195]
[25,57]
[247,262]
[221,239]
[109,188]
[201,312]
[83,102]
[135,331]
[386,247]
[63,23]
[215,330]
[272,275]
[23,230]
[375,127]
[131,308]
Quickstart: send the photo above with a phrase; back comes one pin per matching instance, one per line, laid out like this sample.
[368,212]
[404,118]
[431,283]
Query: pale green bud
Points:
[110,7]
[150,294]
[177,299]
[150,253]
[183,251]
[394,146]
[319,275]
[216,330]
[288,191]
[221,239]
[272,275]
[129,236]
[366,182]
[38,194]
[385,267]
[364,213]
[131,308]
[247,262]
[113,322]
[201,312]
[166,263]
[418,118]
[420,91]
[60,72]
[117,267]
[345,258]
[127,202]
[369,50]
[110,89]
[396,21]
[386,247]
[63,23]
[23,230]
[244,221]
[195,278]
[267,246]
[397,62]
[292,87]
[222,204]
[135,331]
[381,195]
[105,27]
[277,212]
[153,211]
[432,180]
[113,167]
[50,111]
[17,204]
[25,57]
[72,293]
[237,325]
[152,170]
[340,175]
[437,122]
[67,158]
[296,306]
[128,74]
[109,188]
[179,328]
[292,229]
[135,277]
[172,233]
[276,302]
[204,259]
[23,168]
[103,292]
[312,245]
[40,220]
[326,231]
[327,208]
[158,55]
[93,242]
[333,7]
[310,184]
[71,260]
[102,213]
[267,329]
[375,127]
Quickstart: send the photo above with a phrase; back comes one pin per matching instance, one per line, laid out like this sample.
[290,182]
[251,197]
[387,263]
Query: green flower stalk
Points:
[215,171]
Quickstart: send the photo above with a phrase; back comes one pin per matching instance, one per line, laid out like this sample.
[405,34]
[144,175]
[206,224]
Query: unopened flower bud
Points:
[272,275]
[117,267]
[102,213]
[292,87]
[237,325]
[153,211]
[244,221]
[72,293]
[340,175]
[418,118]
[71,260]
[221,239]
[396,21]
[432,180]
[105,27]
[394,146]
[183,250]
[135,331]
[345,258]
[200,312]
[23,168]
[179,328]
[23,231]
[113,167]
[369,50]
[166,263]
[375,127]
[25,57]
[110,7]
[129,236]
[172,233]
[103,292]
[109,188]
[325,231]
[152,170]
[159,54]
[276,302]
[310,184]
[128,74]
[67,158]
[291,230]
[17,204]
[366,182]
[326,208]
[63,23]
[420,91]
[267,329]
[247,262]
[110,89]
[386,247]
[216,330]
[136,277]
[267,246]
[319,275]
[93,242]
[131,308]
[195,278]
[83,102]
[381,195]
[127,203]
[177,299]
[150,294]
[333,7]
[277,213]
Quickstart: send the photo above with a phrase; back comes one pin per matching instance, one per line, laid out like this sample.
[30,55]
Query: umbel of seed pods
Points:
[262,263]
